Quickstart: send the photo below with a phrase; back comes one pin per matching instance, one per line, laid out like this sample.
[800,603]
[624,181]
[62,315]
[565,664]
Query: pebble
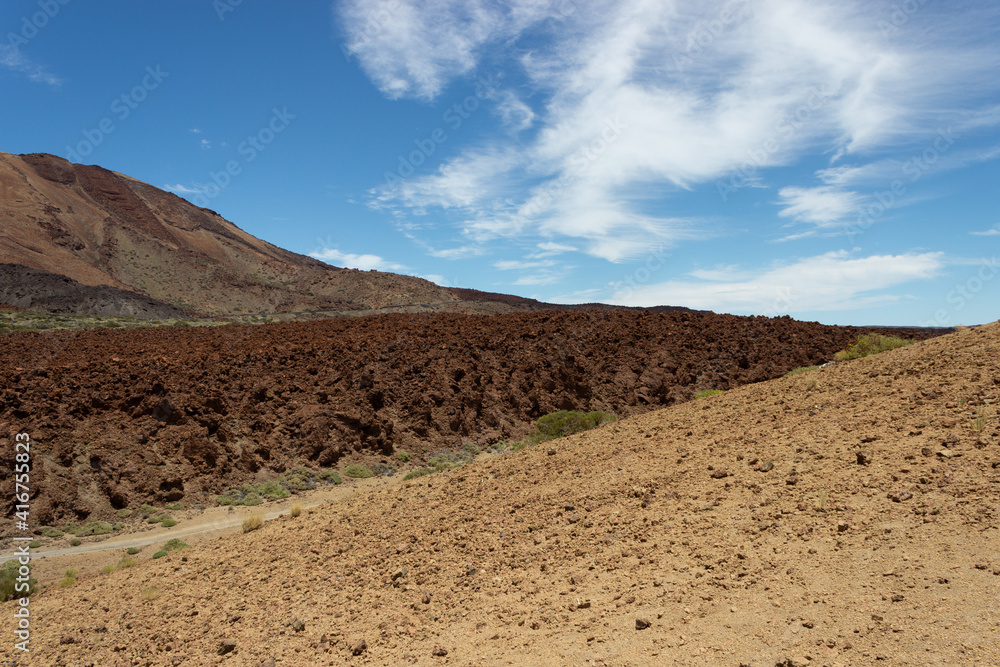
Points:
[226,646]
[642,623]
[439,651]
[359,647]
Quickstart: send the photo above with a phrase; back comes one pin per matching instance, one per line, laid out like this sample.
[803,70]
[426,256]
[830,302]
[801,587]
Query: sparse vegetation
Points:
[49,531]
[124,514]
[176,506]
[404,457]
[169,522]
[811,384]
[75,542]
[871,344]
[444,459]
[296,509]
[32,321]
[150,594]
[802,369]
[68,580]
[34,544]
[419,472]
[160,554]
[93,527]
[147,509]
[127,562]
[108,569]
[175,544]
[9,574]
[567,422]
[131,551]
[253,522]
[358,471]
[707,393]
[299,478]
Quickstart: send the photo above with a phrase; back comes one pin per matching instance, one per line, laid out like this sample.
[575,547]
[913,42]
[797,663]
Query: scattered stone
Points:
[899,495]
[927,451]
[551,452]
[226,646]
[642,623]
[298,625]
[871,437]
[439,652]
[426,599]
[67,639]
[767,466]
[470,570]
[808,624]
[399,574]
[720,473]
[359,647]
[792,480]
[945,453]
[863,458]
[843,526]
[268,663]
[897,598]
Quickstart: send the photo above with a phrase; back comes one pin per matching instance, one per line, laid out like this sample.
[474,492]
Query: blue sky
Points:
[835,161]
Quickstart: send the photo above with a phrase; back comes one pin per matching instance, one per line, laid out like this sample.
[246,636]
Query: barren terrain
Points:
[124,417]
[843,516]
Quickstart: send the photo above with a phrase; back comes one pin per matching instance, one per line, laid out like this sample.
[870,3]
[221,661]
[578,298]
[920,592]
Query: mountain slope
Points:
[846,516]
[99,227]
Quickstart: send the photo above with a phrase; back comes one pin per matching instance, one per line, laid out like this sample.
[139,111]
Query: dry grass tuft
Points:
[253,522]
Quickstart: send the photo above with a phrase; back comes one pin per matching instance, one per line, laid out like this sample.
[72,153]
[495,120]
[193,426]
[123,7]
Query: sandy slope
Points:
[555,555]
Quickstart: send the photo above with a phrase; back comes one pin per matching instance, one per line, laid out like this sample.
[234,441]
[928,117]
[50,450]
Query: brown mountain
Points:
[99,227]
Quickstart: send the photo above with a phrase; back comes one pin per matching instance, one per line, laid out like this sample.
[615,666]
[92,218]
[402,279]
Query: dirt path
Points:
[194,526]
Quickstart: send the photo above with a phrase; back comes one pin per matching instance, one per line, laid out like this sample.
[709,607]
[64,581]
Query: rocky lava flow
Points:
[122,417]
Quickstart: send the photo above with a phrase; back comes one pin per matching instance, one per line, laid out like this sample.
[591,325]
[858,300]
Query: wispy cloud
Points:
[15,60]
[821,205]
[631,105]
[993,231]
[181,189]
[828,282]
[352,261]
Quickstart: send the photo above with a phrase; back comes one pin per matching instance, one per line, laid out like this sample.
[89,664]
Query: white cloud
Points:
[516,265]
[181,189]
[993,231]
[829,282]
[822,206]
[15,60]
[353,261]
[634,100]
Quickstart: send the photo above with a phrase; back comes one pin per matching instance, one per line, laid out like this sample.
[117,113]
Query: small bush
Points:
[151,593]
[160,554]
[69,579]
[272,490]
[296,509]
[176,506]
[567,422]
[75,542]
[404,457]
[169,523]
[471,448]
[175,544]
[147,509]
[383,470]
[127,562]
[871,344]
[803,369]
[34,544]
[358,471]
[330,476]
[108,569]
[9,582]
[49,531]
[707,393]
[124,514]
[131,551]
[253,522]
[419,472]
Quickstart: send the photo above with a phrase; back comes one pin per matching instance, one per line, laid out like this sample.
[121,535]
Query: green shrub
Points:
[358,471]
[108,569]
[160,554]
[124,514]
[404,457]
[707,393]
[419,472]
[331,476]
[272,490]
[75,542]
[175,544]
[803,369]
[445,459]
[34,544]
[127,562]
[49,531]
[871,344]
[71,528]
[147,509]
[471,448]
[131,551]
[169,523]
[176,506]
[69,579]
[567,422]
[9,582]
